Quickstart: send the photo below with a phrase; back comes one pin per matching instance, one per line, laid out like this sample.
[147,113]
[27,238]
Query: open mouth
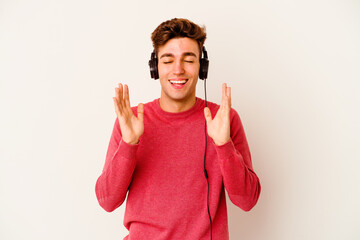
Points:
[178,82]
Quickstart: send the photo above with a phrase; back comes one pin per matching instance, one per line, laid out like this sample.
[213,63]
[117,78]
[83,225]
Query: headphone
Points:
[203,71]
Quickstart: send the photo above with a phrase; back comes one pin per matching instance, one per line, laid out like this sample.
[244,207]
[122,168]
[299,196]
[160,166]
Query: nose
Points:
[178,67]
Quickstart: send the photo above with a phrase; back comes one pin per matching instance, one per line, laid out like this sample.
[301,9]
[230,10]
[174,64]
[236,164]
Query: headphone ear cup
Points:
[153,64]
[204,66]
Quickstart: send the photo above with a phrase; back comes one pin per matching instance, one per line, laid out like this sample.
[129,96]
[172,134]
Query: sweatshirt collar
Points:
[198,104]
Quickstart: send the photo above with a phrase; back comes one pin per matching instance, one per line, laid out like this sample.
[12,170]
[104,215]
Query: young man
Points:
[157,150]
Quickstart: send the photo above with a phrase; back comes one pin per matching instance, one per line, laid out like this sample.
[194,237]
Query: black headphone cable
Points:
[206,174]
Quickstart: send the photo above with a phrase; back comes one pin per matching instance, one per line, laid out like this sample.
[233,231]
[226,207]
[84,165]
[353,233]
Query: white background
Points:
[294,71]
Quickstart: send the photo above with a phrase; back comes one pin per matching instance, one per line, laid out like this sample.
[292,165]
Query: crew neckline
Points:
[199,102]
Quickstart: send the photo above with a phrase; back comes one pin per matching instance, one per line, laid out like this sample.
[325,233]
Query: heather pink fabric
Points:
[164,176]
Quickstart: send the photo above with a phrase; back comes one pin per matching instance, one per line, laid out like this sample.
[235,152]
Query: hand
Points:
[131,127]
[219,127]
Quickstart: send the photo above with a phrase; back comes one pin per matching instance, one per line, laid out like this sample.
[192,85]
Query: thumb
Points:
[207,114]
[140,112]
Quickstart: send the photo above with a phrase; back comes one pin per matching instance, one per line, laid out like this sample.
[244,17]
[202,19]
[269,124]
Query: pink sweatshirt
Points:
[164,175]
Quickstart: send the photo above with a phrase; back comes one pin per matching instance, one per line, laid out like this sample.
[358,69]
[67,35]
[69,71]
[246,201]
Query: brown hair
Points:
[176,28]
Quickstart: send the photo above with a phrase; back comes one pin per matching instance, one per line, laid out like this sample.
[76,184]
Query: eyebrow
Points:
[184,54]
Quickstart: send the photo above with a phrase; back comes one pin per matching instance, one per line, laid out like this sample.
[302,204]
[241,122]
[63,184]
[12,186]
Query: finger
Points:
[224,90]
[116,105]
[116,98]
[223,99]
[207,115]
[126,96]
[229,96]
[140,112]
[227,102]
[120,99]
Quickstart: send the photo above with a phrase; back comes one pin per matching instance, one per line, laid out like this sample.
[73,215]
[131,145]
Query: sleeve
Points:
[240,180]
[112,185]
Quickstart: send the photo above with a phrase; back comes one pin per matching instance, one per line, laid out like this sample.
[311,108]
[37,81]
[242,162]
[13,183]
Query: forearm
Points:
[112,185]
[240,181]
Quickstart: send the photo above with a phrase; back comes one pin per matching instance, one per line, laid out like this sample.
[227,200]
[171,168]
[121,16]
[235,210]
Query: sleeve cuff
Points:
[226,150]
[127,151]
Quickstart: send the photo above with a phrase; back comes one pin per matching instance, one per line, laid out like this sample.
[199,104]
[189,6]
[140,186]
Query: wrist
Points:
[131,141]
[221,142]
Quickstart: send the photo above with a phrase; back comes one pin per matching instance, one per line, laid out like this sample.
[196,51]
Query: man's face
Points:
[178,67]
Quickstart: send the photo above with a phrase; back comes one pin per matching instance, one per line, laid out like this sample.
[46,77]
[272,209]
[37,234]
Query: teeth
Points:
[178,82]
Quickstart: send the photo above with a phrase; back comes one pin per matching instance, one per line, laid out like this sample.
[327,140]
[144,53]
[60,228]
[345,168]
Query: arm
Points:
[112,185]
[241,182]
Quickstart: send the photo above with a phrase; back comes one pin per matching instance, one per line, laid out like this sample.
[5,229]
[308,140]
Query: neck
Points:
[176,106]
